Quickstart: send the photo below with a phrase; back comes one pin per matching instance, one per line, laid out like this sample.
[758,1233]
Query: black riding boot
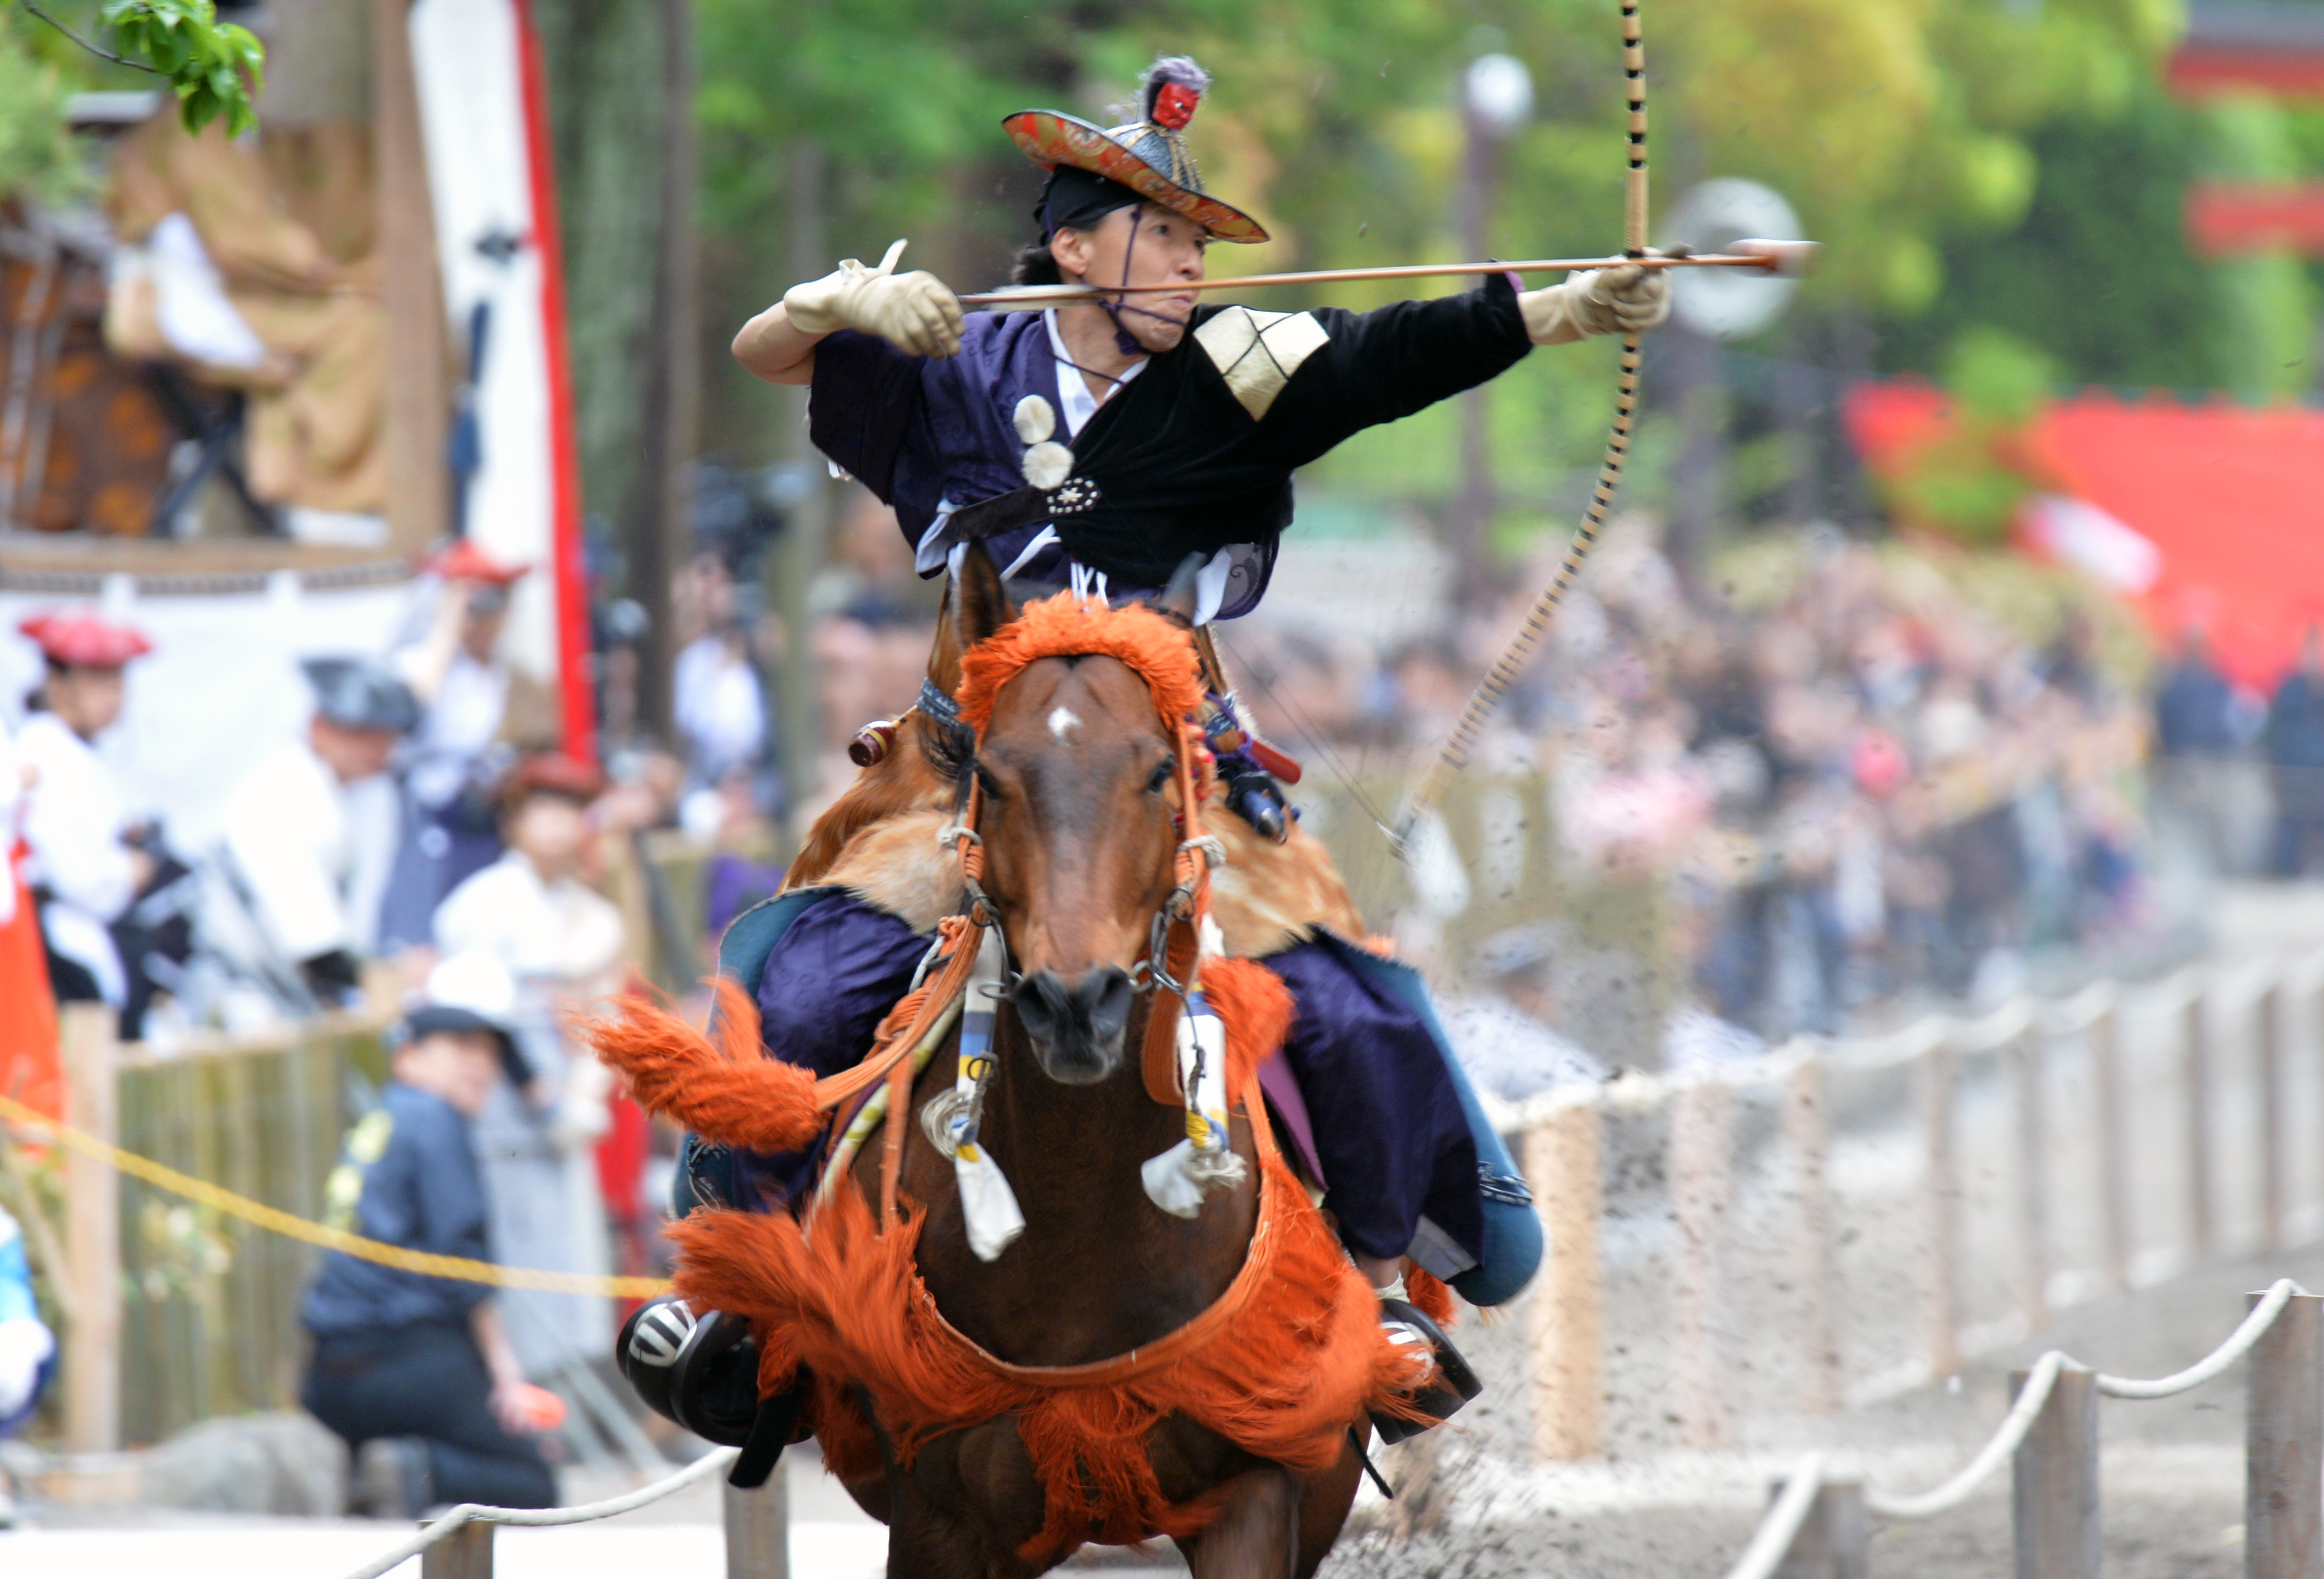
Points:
[1453,1385]
[702,1372]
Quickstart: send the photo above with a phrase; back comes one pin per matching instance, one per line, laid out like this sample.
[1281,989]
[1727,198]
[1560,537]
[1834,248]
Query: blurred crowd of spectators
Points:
[1831,778]
[2238,774]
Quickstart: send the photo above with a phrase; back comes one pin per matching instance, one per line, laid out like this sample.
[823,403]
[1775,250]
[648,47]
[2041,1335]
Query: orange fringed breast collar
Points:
[1289,1358]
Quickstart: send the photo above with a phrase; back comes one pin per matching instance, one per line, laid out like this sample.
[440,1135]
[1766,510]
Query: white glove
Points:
[917,312]
[1625,300]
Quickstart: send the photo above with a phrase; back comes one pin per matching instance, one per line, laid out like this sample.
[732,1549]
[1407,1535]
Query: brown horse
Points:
[1079,801]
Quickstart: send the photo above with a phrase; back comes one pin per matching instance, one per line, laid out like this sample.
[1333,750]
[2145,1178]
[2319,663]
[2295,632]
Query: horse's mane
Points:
[1159,652]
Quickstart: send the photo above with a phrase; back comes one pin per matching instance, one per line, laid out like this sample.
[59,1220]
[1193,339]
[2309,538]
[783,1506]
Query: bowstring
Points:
[1455,754]
[1309,732]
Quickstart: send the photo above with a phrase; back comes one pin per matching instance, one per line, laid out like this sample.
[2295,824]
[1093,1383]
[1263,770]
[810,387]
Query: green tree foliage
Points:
[1910,133]
[214,68]
[2098,274]
[36,152]
[1895,124]
[1970,482]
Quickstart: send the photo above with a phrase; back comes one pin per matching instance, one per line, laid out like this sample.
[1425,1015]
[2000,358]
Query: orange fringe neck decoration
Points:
[1160,653]
[731,1093]
[1282,1367]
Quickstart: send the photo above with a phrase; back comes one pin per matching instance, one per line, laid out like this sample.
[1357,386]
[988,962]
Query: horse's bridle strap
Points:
[926,1004]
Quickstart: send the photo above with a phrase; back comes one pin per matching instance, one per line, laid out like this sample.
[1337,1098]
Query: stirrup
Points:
[1453,1384]
[701,1372]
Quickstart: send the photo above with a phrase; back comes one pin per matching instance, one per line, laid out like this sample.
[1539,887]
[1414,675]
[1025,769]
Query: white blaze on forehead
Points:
[1063,721]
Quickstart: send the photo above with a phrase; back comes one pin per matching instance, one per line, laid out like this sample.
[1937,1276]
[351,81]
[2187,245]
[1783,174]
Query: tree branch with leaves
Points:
[217,69]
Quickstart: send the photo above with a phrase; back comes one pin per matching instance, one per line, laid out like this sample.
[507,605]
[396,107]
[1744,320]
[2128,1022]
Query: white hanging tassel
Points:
[1177,1181]
[987,1203]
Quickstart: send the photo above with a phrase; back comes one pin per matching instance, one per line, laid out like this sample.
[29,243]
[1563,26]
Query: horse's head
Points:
[1077,777]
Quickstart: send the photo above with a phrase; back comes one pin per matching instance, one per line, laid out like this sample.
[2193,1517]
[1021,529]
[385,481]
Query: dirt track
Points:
[2173,1468]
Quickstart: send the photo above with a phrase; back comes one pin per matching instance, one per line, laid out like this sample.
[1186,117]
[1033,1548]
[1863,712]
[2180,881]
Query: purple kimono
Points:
[1193,455]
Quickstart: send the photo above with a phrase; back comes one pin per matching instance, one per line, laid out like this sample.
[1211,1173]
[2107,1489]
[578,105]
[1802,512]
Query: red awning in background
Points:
[2228,218]
[2233,498]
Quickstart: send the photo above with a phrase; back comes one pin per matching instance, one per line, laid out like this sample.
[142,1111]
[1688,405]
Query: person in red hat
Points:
[563,943]
[86,867]
[469,698]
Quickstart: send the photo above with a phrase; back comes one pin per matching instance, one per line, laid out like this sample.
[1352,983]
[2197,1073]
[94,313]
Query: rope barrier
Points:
[274,1220]
[2004,1442]
[2263,1316]
[2043,1376]
[542,1517]
[1771,1543]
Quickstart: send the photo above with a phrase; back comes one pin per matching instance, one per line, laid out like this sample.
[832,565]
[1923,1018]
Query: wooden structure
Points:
[174,1314]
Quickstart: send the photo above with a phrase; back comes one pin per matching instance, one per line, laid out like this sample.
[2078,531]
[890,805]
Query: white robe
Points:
[73,823]
[310,850]
[459,727]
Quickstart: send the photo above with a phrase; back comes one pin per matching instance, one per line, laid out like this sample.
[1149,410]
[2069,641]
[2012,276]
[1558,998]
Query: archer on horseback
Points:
[1109,443]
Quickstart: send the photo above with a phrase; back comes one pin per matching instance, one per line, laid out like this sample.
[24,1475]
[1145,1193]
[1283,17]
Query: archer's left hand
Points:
[1625,299]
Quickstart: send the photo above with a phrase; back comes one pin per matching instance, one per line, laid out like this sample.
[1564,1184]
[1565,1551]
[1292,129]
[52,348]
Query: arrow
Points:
[1789,258]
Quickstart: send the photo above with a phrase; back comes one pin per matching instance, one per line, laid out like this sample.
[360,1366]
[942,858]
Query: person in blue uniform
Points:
[1115,442]
[417,1373]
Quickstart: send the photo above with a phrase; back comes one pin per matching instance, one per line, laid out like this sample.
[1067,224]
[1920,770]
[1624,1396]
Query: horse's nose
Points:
[1076,1030]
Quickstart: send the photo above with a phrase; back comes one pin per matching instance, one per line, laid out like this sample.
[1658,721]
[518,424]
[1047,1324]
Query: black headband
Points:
[1077,199]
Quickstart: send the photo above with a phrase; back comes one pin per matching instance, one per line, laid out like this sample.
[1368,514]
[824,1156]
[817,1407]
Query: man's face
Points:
[85,699]
[462,1066]
[352,753]
[1159,248]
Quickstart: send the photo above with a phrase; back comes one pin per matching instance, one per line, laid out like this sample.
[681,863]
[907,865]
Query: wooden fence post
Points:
[2026,1061]
[1566,1315]
[92,1349]
[1701,1187]
[464,1554]
[758,1528]
[2114,1163]
[1835,1540]
[2054,1484]
[2283,1445]
[1940,1192]
[2267,1014]
[2202,1227]
[1808,1129]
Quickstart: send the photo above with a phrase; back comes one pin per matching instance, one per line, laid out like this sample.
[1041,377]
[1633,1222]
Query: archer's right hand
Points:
[917,312]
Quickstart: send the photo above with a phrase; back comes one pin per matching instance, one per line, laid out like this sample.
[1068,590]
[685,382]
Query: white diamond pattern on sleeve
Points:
[1257,352]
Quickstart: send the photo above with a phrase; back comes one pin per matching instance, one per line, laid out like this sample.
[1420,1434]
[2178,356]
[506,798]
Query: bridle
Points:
[1170,968]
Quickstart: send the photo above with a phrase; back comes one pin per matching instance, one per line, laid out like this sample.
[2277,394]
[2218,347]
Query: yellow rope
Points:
[459,1269]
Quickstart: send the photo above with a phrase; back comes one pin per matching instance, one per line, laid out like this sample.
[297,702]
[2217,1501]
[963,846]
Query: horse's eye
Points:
[1159,779]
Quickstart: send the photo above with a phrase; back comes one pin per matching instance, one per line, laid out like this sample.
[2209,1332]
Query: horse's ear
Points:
[1181,597]
[944,657]
[980,601]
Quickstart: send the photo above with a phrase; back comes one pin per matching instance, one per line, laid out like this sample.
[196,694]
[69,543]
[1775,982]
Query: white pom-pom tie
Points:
[1035,420]
[1048,464]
